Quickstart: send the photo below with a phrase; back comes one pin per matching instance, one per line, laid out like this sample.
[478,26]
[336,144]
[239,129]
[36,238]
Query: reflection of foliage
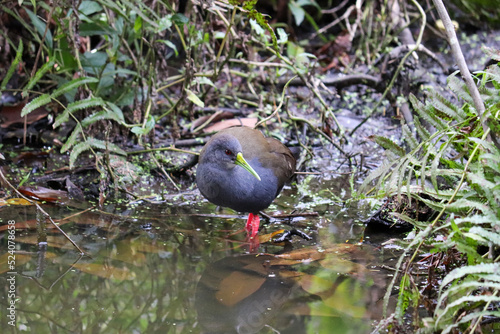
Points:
[144,280]
[132,283]
[456,171]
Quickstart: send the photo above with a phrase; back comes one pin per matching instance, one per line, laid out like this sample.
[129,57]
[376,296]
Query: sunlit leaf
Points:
[15,201]
[194,98]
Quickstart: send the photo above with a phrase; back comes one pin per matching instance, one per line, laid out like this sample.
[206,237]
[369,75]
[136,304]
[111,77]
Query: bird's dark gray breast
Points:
[238,189]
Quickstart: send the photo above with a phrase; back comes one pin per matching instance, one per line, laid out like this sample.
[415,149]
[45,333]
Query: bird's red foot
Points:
[252,226]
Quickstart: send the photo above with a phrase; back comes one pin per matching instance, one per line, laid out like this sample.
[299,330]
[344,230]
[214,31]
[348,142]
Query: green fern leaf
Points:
[93,143]
[76,151]
[72,138]
[459,88]
[421,130]
[39,74]
[489,236]
[458,273]
[463,205]
[103,145]
[61,118]
[101,115]
[446,107]
[388,144]
[427,112]
[409,138]
[84,104]
[35,104]
[385,168]
[69,86]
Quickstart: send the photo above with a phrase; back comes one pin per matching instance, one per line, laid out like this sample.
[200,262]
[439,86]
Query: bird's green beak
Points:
[240,161]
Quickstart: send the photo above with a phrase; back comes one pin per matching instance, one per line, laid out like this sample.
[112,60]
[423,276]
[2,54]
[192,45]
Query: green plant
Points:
[453,168]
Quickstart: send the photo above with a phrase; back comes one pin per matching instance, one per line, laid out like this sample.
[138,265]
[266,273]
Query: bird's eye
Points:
[229,152]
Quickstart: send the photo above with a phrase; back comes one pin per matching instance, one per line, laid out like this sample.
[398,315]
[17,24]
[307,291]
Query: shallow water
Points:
[165,268]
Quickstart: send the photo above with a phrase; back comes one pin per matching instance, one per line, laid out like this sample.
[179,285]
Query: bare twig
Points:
[47,216]
[460,60]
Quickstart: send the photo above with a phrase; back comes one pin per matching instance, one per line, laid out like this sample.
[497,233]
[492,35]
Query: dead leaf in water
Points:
[45,194]
[15,201]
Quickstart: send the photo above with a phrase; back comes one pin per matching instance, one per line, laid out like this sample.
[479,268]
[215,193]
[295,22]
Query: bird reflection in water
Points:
[240,294]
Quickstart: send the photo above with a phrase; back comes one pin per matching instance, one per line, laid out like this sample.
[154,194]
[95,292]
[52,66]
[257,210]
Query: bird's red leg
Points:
[252,226]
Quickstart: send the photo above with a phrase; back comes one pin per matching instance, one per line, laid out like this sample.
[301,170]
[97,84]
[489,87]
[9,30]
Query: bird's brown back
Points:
[271,152]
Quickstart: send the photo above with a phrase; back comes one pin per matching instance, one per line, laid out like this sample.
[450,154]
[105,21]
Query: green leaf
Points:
[180,19]
[61,118]
[12,68]
[170,45]
[195,99]
[283,36]
[460,88]
[68,86]
[138,24]
[94,60]
[83,104]
[35,104]
[468,270]
[72,138]
[93,143]
[421,130]
[409,137]
[297,12]
[490,236]
[141,131]
[205,81]
[88,8]
[39,74]
[40,26]
[109,113]
[390,145]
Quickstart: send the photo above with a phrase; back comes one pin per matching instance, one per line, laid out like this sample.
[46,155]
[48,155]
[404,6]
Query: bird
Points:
[241,169]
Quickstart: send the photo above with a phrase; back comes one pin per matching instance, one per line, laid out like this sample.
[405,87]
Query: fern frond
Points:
[460,88]
[69,86]
[39,74]
[35,104]
[101,115]
[421,130]
[61,118]
[443,105]
[485,234]
[390,145]
[458,273]
[379,173]
[72,138]
[93,143]
[409,138]
[83,104]
[430,115]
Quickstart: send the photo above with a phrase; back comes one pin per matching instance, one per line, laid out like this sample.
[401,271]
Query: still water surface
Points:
[164,268]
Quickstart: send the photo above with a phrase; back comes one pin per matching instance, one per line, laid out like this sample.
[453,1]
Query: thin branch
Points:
[460,60]
[2,176]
